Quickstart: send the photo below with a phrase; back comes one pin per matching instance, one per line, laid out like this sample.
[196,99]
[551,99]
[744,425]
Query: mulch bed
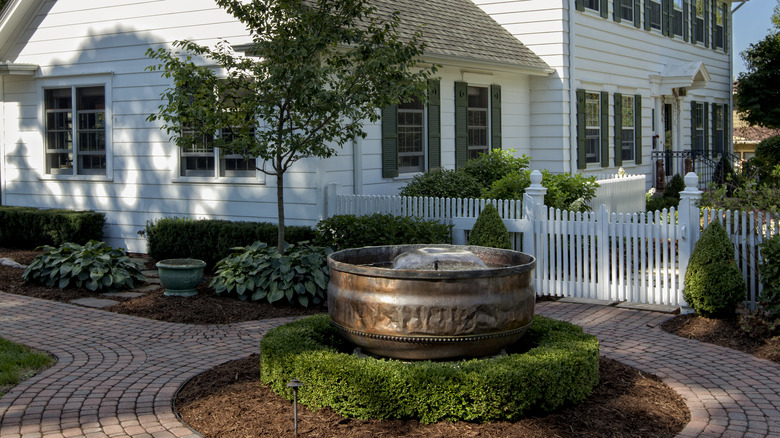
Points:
[229,400]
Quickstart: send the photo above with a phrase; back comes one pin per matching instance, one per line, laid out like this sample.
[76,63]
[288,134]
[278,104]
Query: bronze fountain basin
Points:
[430,314]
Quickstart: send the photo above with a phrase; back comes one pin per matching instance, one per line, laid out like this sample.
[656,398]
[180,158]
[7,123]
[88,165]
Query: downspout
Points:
[3,176]
[572,94]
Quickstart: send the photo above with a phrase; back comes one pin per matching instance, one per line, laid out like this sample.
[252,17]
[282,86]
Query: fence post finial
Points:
[536,191]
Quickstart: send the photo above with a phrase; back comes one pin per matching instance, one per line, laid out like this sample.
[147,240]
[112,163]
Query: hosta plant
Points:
[259,272]
[95,266]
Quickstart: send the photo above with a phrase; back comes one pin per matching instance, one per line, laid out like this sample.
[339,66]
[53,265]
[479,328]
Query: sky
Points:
[751,24]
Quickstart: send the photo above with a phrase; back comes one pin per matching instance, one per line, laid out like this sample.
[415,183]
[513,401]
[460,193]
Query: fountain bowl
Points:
[430,314]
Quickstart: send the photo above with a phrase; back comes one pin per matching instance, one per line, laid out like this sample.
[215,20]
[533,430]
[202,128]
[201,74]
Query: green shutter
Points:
[461,124]
[713,21]
[648,13]
[495,117]
[618,103]
[638,13]
[692,20]
[580,5]
[638,129]
[604,9]
[434,124]
[726,39]
[686,19]
[604,129]
[389,142]
[581,153]
[693,125]
[616,11]
[706,21]
[726,137]
[666,14]
[706,127]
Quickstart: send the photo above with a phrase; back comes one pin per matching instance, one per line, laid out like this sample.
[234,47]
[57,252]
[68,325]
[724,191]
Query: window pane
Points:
[655,15]
[593,127]
[627,9]
[592,4]
[628,111]
[627,148]
[59,131]
[478,101]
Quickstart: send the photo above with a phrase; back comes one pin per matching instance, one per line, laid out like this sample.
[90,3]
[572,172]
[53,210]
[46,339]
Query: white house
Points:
[547,81]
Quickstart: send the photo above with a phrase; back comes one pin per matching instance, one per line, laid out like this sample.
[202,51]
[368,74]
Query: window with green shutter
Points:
[628,128]
[718,24]
[477,120]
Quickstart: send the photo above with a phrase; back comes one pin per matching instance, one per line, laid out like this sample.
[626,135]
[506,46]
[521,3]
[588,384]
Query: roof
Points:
[460,29]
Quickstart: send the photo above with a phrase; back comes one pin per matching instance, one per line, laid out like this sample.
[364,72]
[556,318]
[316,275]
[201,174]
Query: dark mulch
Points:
[723,332]
[229,400]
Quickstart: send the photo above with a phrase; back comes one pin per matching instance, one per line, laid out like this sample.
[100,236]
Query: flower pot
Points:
[180,277]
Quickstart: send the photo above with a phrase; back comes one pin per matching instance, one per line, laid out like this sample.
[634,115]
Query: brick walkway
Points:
[117,374]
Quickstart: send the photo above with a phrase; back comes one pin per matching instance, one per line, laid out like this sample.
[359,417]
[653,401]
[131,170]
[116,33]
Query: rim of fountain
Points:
[393,251]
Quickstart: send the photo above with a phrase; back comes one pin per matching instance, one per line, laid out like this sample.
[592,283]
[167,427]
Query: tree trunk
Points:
[280,209]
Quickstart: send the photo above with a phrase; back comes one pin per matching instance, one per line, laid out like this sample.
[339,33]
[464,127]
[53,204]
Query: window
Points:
[75,143]
[718,37]
[628,118]
[718,138]
[698,20]
[200,158]
[655,15]
[411,128]
[411,135]
[698,126]
[592,4]
[626,9]
[478,103]
[677,18]
[592,127]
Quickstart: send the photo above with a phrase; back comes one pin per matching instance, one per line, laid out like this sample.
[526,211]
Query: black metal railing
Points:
[709,166]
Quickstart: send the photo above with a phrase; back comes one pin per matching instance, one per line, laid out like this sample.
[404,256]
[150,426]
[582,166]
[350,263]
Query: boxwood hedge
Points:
[562,368]
[28,227]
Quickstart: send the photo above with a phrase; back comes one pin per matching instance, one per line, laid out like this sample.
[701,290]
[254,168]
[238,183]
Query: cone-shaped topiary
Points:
[713,282]
[489,230]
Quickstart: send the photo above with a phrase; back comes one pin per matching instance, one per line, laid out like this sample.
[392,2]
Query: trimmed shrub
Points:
[673,189]
[713,283]
[350,231]
[490,167]
[561,369]
[443,183]
[94,266]
[489,230]
[770,277]
[28,228]
[211,240]
[258,272]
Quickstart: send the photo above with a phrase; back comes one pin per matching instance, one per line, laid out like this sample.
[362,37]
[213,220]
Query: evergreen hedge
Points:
[28,227]
[211,240]
[351,231]
[561,369]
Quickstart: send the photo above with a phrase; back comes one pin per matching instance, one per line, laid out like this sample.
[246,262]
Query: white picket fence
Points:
[639,257]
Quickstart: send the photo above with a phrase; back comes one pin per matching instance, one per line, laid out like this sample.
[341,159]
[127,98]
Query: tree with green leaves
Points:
[314,73]
[758,90]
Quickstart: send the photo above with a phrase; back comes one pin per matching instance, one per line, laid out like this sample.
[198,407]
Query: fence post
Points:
[331,190]
[689,221]
[536,191]
[533,204]
[603,263]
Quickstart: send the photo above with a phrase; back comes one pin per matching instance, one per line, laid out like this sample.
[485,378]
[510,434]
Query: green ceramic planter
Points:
[180,277]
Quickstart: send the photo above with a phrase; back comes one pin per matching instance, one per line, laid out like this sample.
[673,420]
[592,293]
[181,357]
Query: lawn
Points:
[18,363]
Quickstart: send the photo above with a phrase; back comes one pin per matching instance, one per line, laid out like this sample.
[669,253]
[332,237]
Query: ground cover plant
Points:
[94,266]
[18,363]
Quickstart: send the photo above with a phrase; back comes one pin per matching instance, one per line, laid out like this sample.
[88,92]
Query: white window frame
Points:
[656,4]
[477,149]
[628,132]
[697,119]
[423,153]
[626,5]
[697,25]
[677,19]
[76,82]
[719,35]
[593,5]
[590,135]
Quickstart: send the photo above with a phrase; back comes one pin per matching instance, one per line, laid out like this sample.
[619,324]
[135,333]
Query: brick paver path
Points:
[117,375]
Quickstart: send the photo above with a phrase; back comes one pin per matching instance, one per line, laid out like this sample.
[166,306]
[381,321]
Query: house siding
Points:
[602,55]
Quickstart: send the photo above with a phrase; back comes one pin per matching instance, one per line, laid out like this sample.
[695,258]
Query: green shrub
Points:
[211,239]
[713,282]
[747,196]
[27,227]
[657,203]
[350,231]
[673,189]
[564,190]
[770,277]
[258,272]
[490,167]
[765,161]
[95,266]
[489,230]
[562,369]
[443,183]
